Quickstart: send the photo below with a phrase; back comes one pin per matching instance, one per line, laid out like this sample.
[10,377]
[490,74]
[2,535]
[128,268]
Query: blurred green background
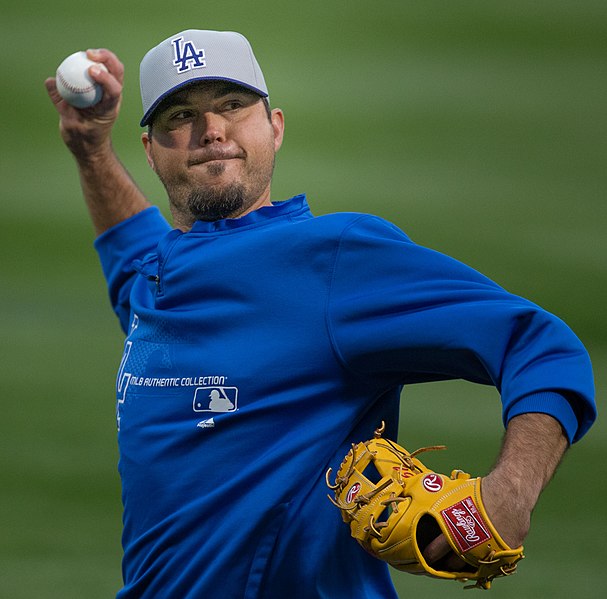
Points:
[479,127]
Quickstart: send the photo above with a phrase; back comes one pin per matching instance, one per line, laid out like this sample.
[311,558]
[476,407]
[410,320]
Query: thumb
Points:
[437,550]
[51,89]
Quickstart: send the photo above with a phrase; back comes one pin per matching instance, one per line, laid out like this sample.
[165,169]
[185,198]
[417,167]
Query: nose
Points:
[212,129]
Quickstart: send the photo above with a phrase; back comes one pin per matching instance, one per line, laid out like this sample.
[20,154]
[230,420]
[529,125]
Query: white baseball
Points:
[74,82]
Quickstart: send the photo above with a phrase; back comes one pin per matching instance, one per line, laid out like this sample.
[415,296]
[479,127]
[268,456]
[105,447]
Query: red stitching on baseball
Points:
[72,88]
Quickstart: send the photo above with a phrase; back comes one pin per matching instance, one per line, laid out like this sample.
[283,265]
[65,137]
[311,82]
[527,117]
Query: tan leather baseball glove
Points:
[395,506]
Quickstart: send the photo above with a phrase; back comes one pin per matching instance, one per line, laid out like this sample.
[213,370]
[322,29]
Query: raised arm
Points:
[110,193]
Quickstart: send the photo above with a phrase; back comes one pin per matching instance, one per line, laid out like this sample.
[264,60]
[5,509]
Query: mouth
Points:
[213,158]
[209,161]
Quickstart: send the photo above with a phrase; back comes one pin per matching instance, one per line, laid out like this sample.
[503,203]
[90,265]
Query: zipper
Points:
[148,269]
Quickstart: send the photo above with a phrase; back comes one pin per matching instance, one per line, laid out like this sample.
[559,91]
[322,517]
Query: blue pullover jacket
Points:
[257,350]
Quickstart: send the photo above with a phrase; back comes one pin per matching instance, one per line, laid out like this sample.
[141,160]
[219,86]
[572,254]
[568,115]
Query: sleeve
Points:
[119,246]
[400,313]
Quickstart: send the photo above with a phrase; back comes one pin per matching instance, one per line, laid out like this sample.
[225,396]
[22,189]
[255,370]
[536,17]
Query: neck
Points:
[184,219]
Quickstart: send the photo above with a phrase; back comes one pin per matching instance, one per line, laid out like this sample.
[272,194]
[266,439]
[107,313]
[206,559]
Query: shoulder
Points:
[352,226]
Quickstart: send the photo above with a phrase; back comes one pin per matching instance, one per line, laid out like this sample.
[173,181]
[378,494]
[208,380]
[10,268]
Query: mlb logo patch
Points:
[215,399]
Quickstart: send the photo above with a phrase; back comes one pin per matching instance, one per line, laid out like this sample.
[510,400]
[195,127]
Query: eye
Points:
[232,104]
[181,115]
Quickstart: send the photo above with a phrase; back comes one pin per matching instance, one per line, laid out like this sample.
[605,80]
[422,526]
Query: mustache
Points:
[215,153]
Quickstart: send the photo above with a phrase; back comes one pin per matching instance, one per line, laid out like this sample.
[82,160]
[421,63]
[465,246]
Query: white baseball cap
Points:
[197,55]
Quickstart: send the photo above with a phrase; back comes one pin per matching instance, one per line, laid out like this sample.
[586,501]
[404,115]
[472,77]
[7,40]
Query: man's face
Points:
[212,145]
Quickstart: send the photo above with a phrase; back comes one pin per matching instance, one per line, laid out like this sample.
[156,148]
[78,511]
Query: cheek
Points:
[255,132]
[166,167]
[262,143]
[164,154]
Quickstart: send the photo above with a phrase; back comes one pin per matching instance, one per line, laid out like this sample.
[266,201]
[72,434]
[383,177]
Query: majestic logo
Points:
[352,492]
[187,56]
[466,524]
[432,483]
[210,423]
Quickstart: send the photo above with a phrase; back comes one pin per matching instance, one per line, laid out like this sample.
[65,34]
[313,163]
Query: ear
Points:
[147,144]
[278,125]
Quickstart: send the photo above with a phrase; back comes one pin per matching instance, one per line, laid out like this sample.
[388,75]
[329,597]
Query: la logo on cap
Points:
[187,56]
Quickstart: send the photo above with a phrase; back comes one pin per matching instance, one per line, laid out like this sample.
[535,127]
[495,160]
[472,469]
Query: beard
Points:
[211,204]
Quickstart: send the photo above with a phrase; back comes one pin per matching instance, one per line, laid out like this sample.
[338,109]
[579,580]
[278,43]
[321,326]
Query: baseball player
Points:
[291,336]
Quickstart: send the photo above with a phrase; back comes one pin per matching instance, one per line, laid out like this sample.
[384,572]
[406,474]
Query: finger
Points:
[436,549]
[51,88]
[455,563]
[112,88]
[439,549]
[112,92]
[110,60]
[53,93]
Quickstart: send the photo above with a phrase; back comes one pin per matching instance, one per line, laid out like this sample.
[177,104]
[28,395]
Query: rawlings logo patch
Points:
[353,491]
[466,525]
[432,483]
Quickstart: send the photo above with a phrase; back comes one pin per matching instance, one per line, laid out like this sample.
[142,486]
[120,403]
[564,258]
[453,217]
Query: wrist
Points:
[508,507]
[93,157]
[512,486]
[87,144]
